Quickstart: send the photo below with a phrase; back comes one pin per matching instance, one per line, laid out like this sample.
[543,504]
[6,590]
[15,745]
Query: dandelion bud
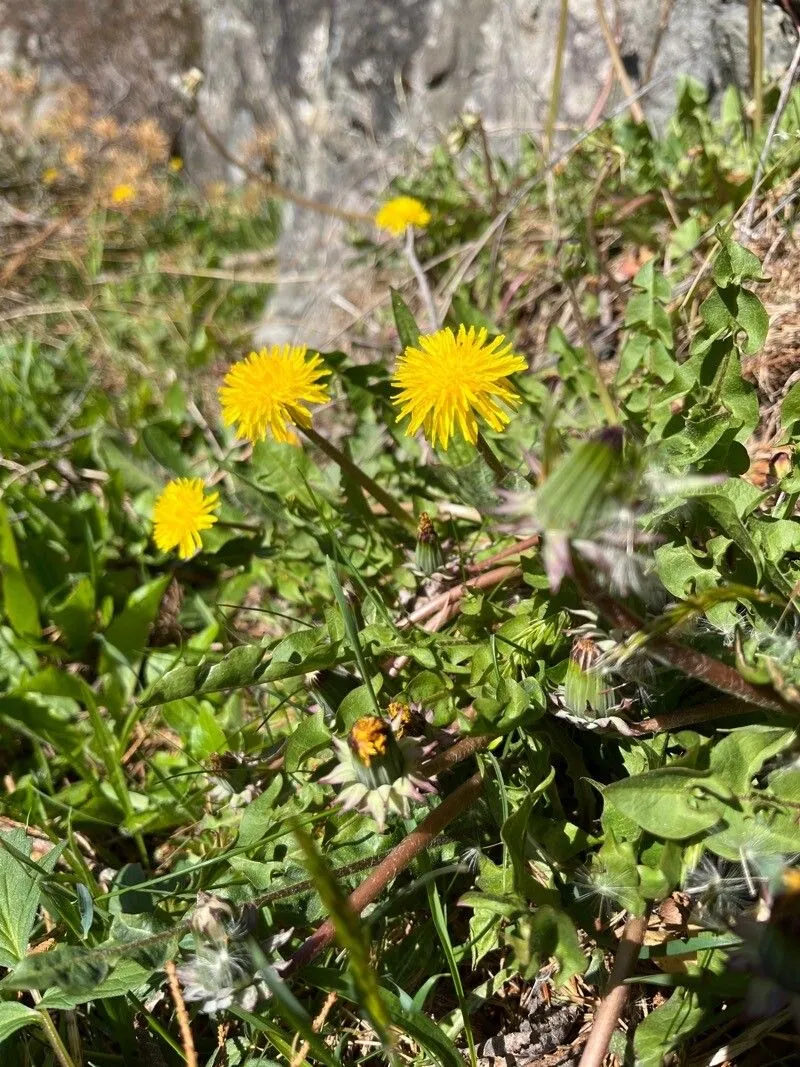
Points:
[428,555]
[586,691]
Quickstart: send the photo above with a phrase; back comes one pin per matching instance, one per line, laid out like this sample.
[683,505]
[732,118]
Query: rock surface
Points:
[345,89]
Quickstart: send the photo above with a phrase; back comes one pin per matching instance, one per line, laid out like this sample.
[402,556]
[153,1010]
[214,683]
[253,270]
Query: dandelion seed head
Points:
[453,379]
[268,392]
[181,513]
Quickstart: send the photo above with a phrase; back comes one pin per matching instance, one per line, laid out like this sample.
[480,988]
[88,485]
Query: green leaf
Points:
[19,893]
[734,263]
[258,818]
[18,601]
[548,934]
[739,756]
[128,976]
[735,310]
[673,802]
[13,1016]
[506,705]
[75,615]
[241,667]
[407,329]
[790,408]
[311,735]
[666,1027]
[128,631]
[72,970]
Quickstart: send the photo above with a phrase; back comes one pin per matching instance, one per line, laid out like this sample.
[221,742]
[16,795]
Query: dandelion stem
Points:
[422,280]
[54,1038]
[495,463]
[616,994]
[230,525]
[368,484]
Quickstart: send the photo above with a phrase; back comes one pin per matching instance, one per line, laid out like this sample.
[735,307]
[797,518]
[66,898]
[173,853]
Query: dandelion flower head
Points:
[451,380]
[401,212]
[181,513]
[269,391]
[369,737]
[123,194]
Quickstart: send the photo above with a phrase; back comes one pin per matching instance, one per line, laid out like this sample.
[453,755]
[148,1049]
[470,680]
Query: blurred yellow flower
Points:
[452,378]
[269,390]
[180,514]
[50,175]
[176,164]
[123,194]
[403,211]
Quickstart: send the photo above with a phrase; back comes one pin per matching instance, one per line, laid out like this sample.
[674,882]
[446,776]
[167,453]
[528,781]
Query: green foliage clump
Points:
[580,673]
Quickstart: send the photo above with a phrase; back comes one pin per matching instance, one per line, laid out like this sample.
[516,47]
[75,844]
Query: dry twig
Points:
[189,1053]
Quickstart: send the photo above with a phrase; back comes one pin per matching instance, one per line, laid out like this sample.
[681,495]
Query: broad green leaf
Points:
[736,311]
[258,818]
[126,977]
[128,631]
[740,755]
[19,603]
[310,735]
[666,1027]
[13,1016]
[548,934]
[734,263]
[673,802]
[72,970]
[75,615]
[19,893]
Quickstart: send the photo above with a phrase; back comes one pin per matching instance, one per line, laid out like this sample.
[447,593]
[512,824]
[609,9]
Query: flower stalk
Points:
[352,470]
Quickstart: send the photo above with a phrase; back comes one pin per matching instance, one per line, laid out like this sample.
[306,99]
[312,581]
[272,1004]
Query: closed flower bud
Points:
[428,557]
[586,691]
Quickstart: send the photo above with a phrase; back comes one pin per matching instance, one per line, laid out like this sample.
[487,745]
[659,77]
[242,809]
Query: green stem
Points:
[368,484]
[53,1036]
[555,89]
[494,462]
[226,524]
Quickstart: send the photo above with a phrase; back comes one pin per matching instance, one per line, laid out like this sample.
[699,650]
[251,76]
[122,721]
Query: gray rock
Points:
[350,88]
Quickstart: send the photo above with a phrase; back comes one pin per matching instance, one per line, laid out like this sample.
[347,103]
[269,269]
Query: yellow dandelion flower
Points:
[269,390]
[180,514]
[123,194]
[401,212]
[453,378]
[175,164]
[50,175]
[369,737]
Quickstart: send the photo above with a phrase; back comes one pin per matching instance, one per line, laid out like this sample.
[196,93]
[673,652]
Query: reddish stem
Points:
[388,869]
